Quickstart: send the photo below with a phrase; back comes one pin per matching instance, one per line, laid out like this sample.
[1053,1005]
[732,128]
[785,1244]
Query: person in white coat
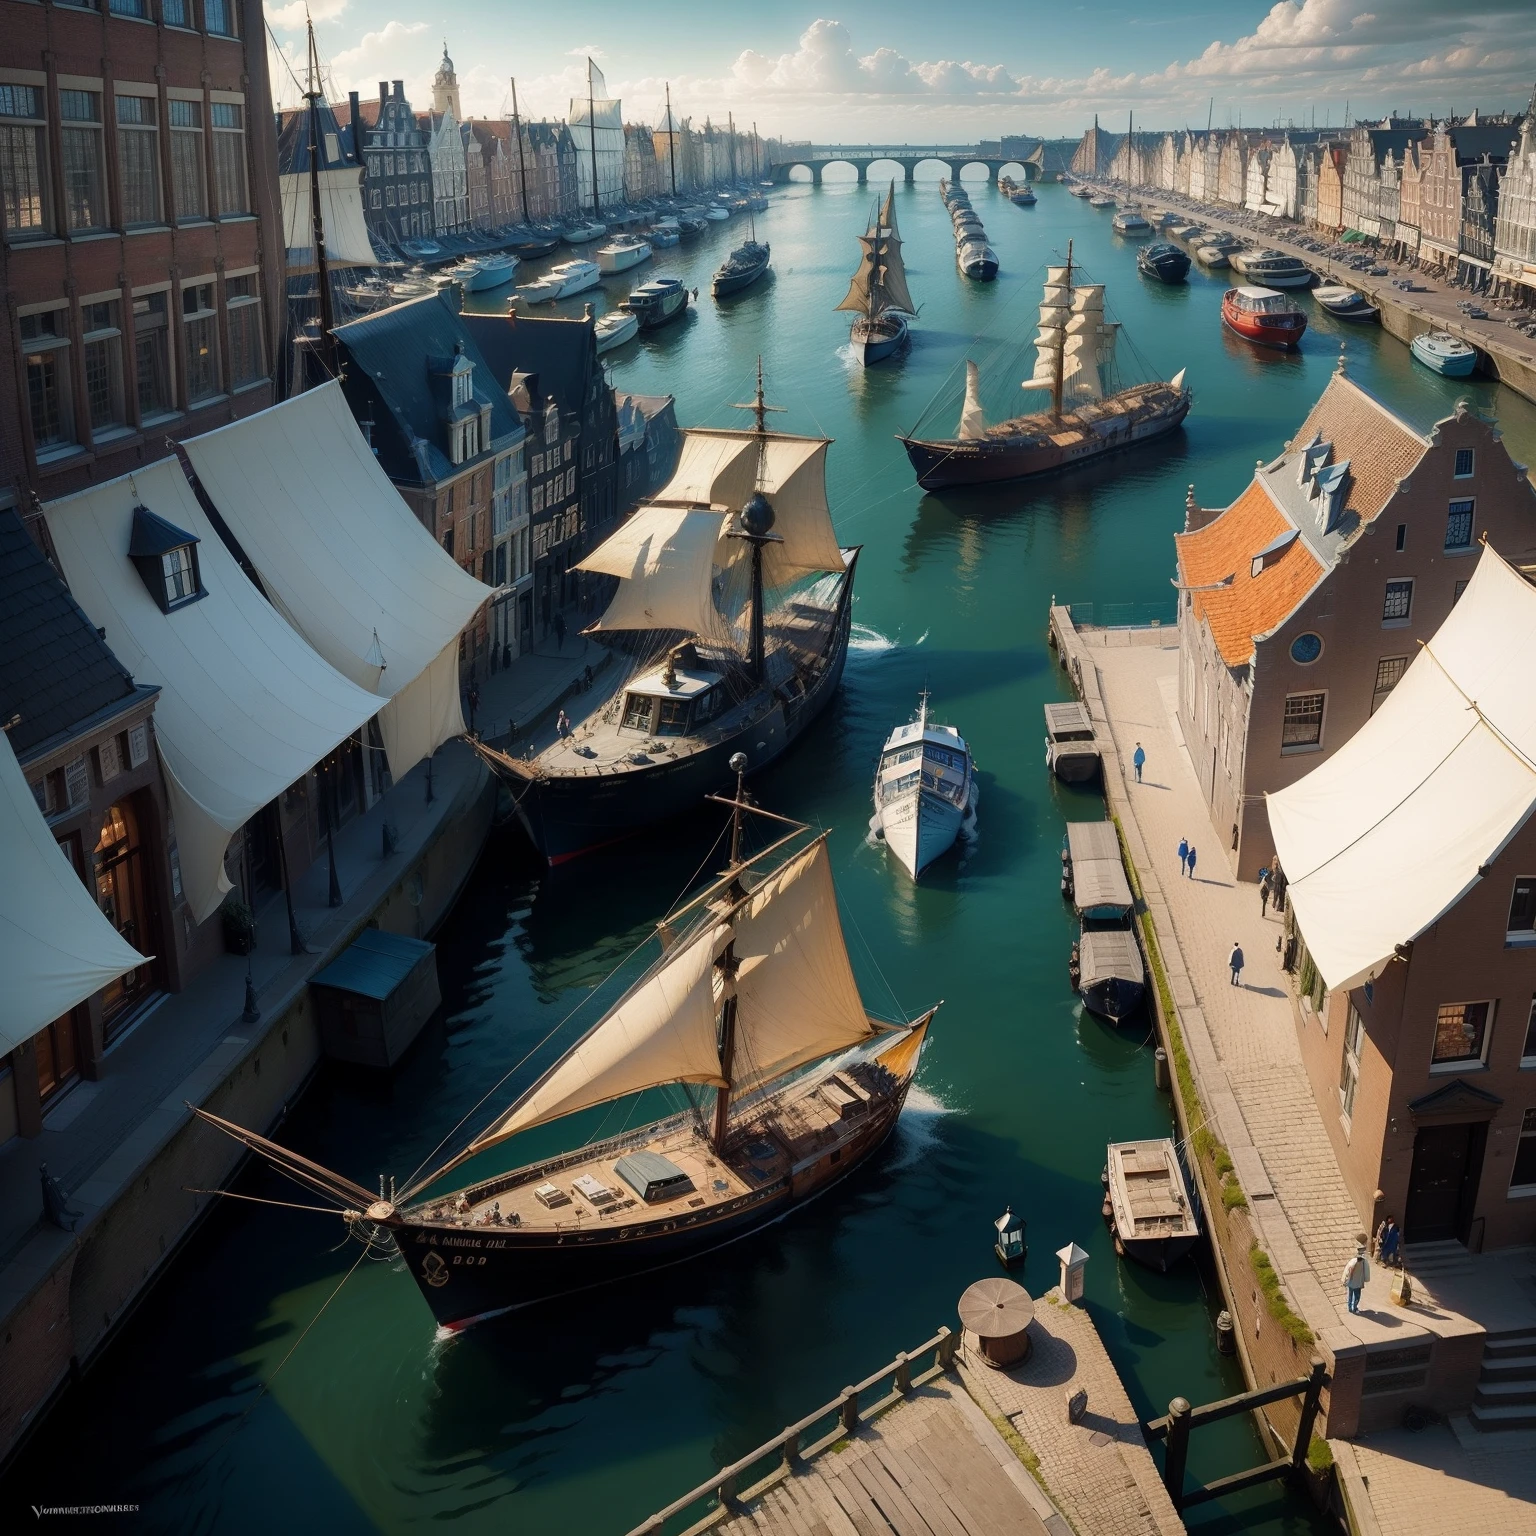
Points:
[1356,1273]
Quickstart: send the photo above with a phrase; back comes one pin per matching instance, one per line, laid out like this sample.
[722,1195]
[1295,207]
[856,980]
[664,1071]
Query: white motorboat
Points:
[1212,256]
[622,253]
[1101,200]
[615,328]
[1444,353]
[1346,304]
[925,791]
[1130,221]
[560,282]
[583,233]
[716,214]
[495,271]
[1271,269]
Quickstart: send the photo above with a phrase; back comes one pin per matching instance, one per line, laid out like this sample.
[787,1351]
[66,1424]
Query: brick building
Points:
[1304,602]
[1454,154]
[140,237]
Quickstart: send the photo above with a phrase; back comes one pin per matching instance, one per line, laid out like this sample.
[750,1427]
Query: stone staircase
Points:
[1428,1261]
[1506,1391]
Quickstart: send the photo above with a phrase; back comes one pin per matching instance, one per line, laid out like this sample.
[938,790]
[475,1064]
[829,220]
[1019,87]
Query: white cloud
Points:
[291,16]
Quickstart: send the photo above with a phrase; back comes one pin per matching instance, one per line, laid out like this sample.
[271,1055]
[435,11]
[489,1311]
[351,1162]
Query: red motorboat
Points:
[1263,315]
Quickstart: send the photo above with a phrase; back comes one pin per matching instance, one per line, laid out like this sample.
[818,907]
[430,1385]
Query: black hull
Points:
[1159,1253]
[468,1275]
[725,284]
[566,817]
[531,250]
[1073,767]
[1115,998]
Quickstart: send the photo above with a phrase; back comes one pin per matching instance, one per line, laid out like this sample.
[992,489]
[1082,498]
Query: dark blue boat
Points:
[741,268]
[1167,263]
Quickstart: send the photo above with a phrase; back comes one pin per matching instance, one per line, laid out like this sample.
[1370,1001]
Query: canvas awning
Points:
[1387,835]
[1098,874]
[346,561]
[246,706]
[56,947]
[341,218]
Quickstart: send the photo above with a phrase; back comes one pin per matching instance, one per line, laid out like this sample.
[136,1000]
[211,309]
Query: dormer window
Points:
[463,382]
[166,559]
[551,423]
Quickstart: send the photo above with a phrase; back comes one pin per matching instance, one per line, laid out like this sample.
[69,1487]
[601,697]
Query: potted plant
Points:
[239,927]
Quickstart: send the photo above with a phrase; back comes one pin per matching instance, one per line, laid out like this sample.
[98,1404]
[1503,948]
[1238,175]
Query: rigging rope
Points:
[288,1205]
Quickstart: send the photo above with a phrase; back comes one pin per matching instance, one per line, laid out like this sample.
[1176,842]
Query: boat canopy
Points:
[1098,875]
[246,706]
[796,999]
[345,561]
[56,946]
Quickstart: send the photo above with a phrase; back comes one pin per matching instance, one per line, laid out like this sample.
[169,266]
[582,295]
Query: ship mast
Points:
[727,961]
[757,529]
[316,218]
[671,141]
[522,167]
[1056,382]
[592,129]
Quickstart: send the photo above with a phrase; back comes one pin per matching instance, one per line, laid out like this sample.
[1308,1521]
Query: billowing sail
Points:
[715,469]
[665,558]
[796,996]
[973,421]
[880,283]
[597,117]
[793,476]
[661,1032]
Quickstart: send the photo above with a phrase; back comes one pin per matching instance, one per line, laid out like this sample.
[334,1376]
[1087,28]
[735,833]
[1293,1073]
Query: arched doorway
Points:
[122,893]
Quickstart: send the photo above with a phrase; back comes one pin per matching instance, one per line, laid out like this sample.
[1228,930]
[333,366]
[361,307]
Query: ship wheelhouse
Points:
[673,702]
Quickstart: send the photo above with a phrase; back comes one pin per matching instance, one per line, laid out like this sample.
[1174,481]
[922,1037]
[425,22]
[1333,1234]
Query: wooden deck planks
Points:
[917,1471]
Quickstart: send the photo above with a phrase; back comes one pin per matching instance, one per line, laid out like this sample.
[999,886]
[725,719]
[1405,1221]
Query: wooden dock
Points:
[931,1466]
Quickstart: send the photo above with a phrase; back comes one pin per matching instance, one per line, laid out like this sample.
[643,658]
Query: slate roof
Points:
[1379,448]
[401,350]
[562,352]
[293,140]
[56,672]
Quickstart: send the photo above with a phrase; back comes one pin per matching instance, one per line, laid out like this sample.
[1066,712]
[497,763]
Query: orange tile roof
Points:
[1380,446]
[1251,605]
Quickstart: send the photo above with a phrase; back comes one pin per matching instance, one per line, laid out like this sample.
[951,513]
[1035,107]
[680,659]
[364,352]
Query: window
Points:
[1461,587]
[85,182]
[1522,910]
[1349,1070]
[1402,537]
[45,351]
[188,192]
[229,157]
[138,159]
[1305,649]
[1522,1179]
[102,349]
[389,197]
[23,163]
[152,357]
[200,341]
[637,712]
[1458,526]
[178,567]
[1464,463]
[1398,602]
[1528,1050]
[448,541]
[1303,722]
[138,8]
[174,13]
[1461,1033]
[373,198]
[247,357]
[219,17]
[1389,673]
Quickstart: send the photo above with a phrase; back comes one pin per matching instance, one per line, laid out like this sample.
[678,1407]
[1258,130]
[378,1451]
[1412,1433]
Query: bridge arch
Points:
[1018,169]
[932,167]
[988,169]
[884,167]
[860,168]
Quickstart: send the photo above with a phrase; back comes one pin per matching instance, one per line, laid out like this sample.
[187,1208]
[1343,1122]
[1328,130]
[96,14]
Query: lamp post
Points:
[327,793]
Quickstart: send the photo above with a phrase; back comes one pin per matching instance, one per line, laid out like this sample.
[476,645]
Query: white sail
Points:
[665,558]
[1055,276]
[1089,297]
[793,476]
[341,213]
[662,1032]
[973,421]
[715,469]
[597,117]
[796,996]
[1054,314]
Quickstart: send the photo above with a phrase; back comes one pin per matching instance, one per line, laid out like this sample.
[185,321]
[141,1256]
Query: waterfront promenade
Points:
[1248,1067]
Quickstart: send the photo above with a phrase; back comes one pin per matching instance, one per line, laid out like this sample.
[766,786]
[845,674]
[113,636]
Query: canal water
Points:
[217,1411]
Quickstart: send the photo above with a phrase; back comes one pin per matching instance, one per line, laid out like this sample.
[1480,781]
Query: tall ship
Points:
[733,607]
[747,1023]
[1088,417]
[878,293]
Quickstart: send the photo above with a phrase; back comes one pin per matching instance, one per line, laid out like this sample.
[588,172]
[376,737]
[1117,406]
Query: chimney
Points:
[400,90]
[383,95]
[357,127]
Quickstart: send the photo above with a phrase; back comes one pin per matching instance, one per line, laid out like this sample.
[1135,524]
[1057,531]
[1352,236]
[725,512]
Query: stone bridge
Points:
[817,157]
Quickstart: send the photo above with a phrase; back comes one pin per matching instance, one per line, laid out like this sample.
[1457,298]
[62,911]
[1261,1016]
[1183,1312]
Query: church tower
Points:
[445,88]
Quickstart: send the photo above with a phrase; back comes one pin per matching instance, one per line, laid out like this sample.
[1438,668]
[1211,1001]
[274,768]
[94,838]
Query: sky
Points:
[899,71]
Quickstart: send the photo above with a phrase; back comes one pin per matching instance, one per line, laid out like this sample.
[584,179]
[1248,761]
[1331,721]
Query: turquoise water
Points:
[584,1419]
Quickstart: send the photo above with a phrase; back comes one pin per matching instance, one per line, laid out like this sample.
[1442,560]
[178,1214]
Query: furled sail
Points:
[973,421]
[665,558]
[797,999]
[598,117]
[663,1031]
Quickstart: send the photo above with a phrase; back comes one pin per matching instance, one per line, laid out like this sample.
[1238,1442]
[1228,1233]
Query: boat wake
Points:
[918,1129]
[864,640]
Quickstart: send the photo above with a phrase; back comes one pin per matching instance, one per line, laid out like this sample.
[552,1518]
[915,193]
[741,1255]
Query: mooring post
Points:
[1310,1404]
[791,1447]
[849,1411]
[1178,1450]
[725,1491]
[948,1344]
[903,1373]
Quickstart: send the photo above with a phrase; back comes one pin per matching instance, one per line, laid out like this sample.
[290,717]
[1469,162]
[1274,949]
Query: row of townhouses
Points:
[1456,197]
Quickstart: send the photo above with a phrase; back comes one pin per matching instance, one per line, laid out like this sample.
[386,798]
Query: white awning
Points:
[346,561]
[1388,834]
[341,215]
[56,947]
[246,707]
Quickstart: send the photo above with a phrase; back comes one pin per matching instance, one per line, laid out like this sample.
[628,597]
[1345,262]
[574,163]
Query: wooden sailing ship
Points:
[1075,352]
[878,293]
[733,604]
[751,1014]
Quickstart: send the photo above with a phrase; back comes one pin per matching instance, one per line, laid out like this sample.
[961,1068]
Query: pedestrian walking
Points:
[1277,885]
[1389,1240]
[1191,862]
[1139,761]
[1356,1272]
[562,725]
[1264,892]
[560,631]
[1235,961]
[1183,855]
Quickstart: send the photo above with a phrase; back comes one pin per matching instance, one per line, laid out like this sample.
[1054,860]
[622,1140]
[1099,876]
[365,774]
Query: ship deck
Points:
[769,1139]
[1069,426]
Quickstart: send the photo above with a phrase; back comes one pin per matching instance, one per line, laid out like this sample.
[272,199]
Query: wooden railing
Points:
[734,1485]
